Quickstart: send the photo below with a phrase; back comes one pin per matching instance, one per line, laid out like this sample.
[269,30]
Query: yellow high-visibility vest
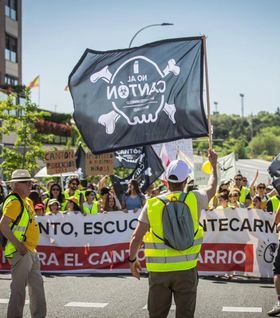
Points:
[275,203]
[160,257]
[93,210]
[243,193]
[18,229]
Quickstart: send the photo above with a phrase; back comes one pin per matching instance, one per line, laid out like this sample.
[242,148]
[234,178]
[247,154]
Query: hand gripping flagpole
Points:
[210,141]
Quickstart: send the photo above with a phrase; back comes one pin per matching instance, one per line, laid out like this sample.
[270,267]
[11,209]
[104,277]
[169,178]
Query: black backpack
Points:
[3,240]
[178,227]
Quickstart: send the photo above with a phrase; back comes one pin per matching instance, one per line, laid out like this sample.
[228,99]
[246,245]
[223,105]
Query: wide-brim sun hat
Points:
[53,201]
[21,175]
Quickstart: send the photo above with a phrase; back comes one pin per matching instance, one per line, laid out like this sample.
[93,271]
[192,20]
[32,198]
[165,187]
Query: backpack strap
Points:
[183,196]
[4,240]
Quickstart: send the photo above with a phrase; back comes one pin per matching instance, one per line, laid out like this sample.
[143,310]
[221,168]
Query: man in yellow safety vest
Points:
[19,226]
[171,271]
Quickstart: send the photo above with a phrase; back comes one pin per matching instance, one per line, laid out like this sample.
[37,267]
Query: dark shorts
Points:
[276,264]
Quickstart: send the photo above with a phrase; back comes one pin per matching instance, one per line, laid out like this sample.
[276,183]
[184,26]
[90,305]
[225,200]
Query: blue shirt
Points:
[132,203]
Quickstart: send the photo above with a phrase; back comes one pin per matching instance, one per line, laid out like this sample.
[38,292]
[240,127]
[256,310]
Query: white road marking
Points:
[173,307]
[6,301]
[89,305]
[242,309]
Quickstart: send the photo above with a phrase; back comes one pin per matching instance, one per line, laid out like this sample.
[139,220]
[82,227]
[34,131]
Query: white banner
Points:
[238,241]
[172,147]
[227,167]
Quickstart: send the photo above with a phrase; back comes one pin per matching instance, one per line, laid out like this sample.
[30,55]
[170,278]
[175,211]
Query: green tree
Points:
[20,121]
[266,143]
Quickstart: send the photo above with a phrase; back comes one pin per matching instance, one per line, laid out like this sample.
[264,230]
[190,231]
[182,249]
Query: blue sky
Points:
[243,43]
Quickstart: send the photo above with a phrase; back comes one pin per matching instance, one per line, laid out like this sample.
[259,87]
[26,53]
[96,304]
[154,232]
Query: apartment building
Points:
[10,42]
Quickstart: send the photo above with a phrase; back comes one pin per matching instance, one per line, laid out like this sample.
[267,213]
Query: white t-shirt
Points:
[202,203]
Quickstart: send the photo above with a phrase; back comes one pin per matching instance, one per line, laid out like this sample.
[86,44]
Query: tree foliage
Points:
[254,136]
[19,121]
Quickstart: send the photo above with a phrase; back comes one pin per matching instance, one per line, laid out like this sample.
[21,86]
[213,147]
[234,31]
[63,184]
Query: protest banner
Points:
[227,167]
[60,161]
[238,241]
[146,172]
[173,147]
[128,158]
[139,96]
[99,164]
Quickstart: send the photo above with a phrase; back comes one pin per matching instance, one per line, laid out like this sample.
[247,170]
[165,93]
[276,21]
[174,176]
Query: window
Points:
[10,80]
[11,48]
[11,9]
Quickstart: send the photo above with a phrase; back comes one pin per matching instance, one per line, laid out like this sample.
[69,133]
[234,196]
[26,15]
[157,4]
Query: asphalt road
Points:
[249,167]
[124,296]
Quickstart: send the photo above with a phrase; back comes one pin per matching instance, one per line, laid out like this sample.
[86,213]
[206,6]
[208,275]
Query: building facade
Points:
[10,43]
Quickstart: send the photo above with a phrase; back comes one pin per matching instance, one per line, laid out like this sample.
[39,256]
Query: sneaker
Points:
[274,311]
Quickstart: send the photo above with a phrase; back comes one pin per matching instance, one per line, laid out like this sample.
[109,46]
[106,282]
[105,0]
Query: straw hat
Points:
[20,175]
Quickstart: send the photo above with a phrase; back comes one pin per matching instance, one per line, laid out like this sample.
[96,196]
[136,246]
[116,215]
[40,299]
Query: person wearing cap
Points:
[19,226]
[54,207]
[39,209]
[171,271]
[56,193]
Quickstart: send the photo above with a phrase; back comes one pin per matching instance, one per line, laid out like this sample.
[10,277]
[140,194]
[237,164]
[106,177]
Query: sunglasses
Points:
[237,179]
[261,187]
[26,182]
[55,189]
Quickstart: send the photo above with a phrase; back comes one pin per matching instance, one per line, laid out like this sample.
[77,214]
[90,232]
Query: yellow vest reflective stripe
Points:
[93,210]
[18,230]
[162,246]
[160,257]
[243,193]
[275,203]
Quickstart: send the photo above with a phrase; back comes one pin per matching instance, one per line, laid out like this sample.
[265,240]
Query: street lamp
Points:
[145,27]
[242,104]
[216,107]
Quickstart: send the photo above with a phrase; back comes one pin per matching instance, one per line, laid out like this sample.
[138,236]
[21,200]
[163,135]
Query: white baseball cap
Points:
[177,171]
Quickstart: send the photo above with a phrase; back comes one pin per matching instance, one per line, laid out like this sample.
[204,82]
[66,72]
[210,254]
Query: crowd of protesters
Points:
[237,193]
[80,196]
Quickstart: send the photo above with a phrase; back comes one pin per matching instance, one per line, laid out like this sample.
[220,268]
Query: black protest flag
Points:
[80,157]
[274,168]
[149,168]
[128,158]
[139,96]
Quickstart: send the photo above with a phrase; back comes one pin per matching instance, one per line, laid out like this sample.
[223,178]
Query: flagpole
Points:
[210,141]
[39,91]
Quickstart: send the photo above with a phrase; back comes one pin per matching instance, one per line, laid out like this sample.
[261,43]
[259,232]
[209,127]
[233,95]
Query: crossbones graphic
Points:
[109,120]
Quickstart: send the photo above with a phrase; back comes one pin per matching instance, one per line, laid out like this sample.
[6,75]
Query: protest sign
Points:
[60,161]
[99,164]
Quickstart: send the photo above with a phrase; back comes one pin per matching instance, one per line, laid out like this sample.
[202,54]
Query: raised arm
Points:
[252,189]
[212,183]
